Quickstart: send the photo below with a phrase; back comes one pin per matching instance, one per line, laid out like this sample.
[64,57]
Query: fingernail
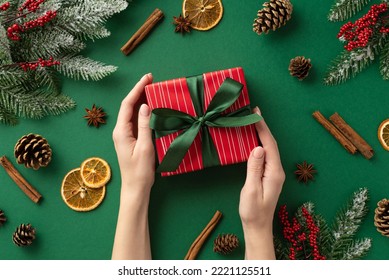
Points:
[258,153]
[144,110]
[148,76]
[257,110]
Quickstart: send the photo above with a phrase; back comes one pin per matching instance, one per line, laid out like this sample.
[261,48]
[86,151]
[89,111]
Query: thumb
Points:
[144,130]
[255,166]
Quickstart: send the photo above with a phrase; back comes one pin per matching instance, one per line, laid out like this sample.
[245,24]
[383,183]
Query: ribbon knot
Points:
[202,120]
[166,121]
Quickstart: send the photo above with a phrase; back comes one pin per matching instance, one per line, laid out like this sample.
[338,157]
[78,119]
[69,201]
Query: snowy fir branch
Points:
[32,56]
[344,9]
[357,250]
[72,17]
[384,62]
[82,67]
[7,116]
[306,235]
[347,223]
[365,40]
[34,104]
[350,63]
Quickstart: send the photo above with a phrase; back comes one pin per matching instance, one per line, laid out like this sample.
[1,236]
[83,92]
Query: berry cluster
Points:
[40,21]
[14,30]
[296,234]
[359,33]
[31,5]
[41,62]
[313,232]
[5,6]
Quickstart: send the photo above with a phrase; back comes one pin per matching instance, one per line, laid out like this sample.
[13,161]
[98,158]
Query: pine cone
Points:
[274,15]
[225,243]
[381,217]
[23,235]
[3,218]
[33,151]
[299,67]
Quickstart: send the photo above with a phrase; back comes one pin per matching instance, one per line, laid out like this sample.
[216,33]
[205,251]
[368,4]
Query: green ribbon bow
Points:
[165,121]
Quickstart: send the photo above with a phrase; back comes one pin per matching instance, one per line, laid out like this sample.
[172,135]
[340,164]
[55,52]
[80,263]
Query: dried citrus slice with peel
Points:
[78,196]
[383,134]
[203,14]
[95,172]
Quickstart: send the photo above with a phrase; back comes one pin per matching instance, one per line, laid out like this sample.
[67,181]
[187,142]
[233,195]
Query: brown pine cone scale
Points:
[225,243]
[381,217]
[23,235]
[33,151]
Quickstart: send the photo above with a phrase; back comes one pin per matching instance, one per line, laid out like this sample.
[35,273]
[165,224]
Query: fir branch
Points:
[384,62]
[36,104]
[43,44]
[11,76]
[52,5]
[56,105]
[82,67]
[7,117]
[96,33]
[281,250]
[5,50]
[350,63]
[47,77]
[86,17]
[347,223]
[344,9]
[36,93]
[357,249]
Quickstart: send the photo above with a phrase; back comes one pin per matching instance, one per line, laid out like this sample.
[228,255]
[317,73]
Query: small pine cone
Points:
[299,67]
[381,217]
[272,16]
[33,151]
[3,218]
[225,243]
[23,235]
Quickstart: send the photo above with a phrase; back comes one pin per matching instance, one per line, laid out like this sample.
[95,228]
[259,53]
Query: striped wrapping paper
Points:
[233,145]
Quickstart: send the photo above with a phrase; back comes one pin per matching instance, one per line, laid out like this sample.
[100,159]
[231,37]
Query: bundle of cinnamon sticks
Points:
[345,134]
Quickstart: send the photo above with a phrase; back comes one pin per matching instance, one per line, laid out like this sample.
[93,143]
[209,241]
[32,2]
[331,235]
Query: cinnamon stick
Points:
[142,32]
[199,241]
[335,132]
[365,149]
[29,190]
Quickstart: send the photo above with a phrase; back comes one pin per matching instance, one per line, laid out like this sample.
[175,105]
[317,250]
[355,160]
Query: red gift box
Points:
[233,144]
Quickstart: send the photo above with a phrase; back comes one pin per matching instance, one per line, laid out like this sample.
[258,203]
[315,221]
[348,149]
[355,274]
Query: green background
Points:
[182,205]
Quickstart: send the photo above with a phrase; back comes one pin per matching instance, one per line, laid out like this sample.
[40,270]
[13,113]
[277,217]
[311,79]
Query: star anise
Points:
[305,172]
[182,24]
[95,116]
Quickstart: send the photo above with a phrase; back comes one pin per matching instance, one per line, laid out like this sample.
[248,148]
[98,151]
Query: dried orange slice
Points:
[78,196]
[203,14]
[383,134]
[95,172]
